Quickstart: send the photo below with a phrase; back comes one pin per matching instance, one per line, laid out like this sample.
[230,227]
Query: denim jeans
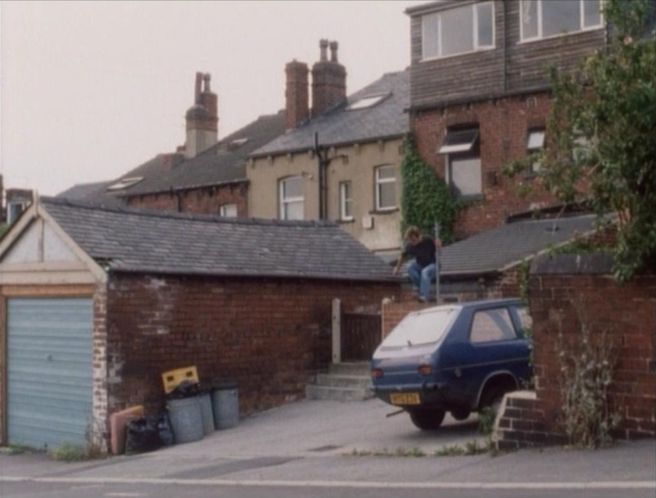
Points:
[422,278]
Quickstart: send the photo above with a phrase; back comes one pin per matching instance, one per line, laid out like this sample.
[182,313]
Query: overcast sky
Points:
[91,90]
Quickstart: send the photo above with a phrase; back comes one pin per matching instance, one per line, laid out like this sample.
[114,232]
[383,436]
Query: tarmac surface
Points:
[329,448]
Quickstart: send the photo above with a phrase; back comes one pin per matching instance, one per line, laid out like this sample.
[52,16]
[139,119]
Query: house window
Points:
[458,31]
[385,187]
[492,325]
[463,172]
[14,210]
[534,144]
[345,201]
[290,193]
[228,210]
[546,18]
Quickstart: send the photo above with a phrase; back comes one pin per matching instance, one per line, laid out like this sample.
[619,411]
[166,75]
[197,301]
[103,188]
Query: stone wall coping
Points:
[597,263]
[522,395]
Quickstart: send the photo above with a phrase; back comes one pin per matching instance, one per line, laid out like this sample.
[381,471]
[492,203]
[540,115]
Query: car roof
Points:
[476,304]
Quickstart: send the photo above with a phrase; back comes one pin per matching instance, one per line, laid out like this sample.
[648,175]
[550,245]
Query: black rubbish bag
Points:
[164,429]
[185,389]
[142,435]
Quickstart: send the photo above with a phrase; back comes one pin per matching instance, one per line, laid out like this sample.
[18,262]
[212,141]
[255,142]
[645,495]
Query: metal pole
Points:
[437,263]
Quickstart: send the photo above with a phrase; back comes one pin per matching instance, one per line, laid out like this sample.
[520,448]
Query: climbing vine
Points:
[425,198]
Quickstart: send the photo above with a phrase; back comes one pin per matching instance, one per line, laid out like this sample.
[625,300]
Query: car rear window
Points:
[423,327]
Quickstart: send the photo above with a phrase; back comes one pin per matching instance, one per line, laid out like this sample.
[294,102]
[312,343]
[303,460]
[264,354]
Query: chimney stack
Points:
[328,79]
[202,118]
[296,94]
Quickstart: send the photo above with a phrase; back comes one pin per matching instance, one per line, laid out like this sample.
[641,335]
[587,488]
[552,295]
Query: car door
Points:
[491,343]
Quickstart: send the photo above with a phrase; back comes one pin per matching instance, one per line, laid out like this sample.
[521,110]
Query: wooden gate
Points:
[361,335]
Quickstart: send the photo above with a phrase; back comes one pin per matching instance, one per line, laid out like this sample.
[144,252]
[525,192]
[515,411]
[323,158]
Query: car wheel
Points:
[427,419]
[493,398]
[460,413]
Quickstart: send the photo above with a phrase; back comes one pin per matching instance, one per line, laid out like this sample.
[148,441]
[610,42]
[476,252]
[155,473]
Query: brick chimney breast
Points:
[296,94]
[328,80]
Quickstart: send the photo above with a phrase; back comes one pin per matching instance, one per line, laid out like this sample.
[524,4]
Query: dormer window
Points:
[458,31]
[126,182]
[546,18]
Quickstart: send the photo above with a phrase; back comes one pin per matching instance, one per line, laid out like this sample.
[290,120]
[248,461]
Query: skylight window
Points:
[238,142]
[125,183]
[365,102]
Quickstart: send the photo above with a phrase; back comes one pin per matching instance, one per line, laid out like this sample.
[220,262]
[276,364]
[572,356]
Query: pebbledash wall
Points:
[206,200]
[269,335]
[563,291]
[503,125]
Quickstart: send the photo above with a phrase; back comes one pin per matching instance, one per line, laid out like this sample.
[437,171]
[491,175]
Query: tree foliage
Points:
[602,134]
[425,198]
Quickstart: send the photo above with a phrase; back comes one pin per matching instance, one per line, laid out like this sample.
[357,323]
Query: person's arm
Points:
[399,262]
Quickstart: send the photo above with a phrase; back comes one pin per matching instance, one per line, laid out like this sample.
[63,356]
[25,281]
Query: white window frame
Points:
[535,166]
[11,205]
[540,36]
[440,32]
[449,180]
[224,208]
[381,181]
[283,201]
[343,201]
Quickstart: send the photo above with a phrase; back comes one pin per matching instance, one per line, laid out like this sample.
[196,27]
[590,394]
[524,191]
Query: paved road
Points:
[305,450]
[80,490]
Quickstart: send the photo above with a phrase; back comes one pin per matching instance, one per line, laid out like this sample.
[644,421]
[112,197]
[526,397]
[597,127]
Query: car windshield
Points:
[421,327]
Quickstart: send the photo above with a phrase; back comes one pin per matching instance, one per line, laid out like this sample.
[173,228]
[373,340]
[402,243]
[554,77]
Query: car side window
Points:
[525,319]
[492,325]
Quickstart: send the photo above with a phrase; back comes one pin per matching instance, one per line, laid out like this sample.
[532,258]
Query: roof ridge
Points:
[208,218]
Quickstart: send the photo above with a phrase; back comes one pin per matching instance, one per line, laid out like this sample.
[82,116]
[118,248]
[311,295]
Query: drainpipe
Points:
[322,165]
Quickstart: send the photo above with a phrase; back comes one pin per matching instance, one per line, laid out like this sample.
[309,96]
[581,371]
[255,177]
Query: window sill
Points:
[384,211]
[561,35]
[471,199]
[345,221]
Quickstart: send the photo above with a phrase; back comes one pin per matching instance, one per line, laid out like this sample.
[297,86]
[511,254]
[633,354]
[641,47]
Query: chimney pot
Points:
[206,79]
[198,87]
[333,51]
[323,47]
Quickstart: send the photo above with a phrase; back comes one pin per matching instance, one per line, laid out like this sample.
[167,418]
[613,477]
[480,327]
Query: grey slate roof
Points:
[339,126]
[142,241]
[84,190]
[222,163]
[492,250]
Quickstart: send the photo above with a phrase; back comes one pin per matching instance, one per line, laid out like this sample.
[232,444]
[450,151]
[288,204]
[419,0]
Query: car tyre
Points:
[460,413]
[427,419]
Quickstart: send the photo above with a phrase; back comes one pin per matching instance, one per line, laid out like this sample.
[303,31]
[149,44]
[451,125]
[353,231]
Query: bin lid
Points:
[224,384]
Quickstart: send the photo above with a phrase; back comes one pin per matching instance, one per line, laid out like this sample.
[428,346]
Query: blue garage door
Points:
[48,371]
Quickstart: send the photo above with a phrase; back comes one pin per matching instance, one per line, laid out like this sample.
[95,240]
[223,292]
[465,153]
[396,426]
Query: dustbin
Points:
[186,419]
[225,401]
[205,400]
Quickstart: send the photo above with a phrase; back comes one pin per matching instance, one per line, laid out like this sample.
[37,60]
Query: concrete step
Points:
[361,368]
[337,393]
[333,380]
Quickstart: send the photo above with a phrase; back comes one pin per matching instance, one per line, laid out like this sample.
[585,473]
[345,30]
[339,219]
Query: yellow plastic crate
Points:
[173,378]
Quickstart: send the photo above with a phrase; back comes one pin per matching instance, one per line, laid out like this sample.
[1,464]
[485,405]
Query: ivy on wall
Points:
[425,198]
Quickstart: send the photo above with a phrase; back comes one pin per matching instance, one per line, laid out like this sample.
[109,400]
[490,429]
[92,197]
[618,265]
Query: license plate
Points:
[401,399]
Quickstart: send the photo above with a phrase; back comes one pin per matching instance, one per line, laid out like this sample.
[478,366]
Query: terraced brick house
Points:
[339,159]
[480,92]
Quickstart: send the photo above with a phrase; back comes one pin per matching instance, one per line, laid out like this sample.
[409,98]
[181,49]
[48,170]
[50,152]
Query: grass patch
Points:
[69,453]
[398,452]
[14,449]
[469,449]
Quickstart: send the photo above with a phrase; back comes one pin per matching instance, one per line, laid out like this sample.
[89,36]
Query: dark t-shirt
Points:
[423,252]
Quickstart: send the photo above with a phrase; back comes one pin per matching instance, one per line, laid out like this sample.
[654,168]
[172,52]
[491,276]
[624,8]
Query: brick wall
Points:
[568,289]
[206,200]
[269,335]
[99,432]
[503,125]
